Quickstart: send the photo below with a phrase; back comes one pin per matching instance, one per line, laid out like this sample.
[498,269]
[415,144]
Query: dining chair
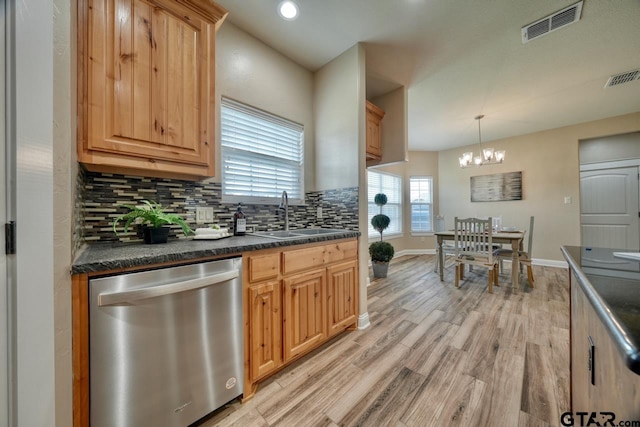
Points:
[473,241]
[524,257]
[447,248]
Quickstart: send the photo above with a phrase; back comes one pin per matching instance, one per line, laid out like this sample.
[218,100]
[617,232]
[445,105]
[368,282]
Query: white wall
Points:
[34,298]
[64,182]
[610,148]
[337,106]
[251,72]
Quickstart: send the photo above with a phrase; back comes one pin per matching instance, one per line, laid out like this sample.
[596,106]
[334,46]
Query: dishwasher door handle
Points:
[115,298]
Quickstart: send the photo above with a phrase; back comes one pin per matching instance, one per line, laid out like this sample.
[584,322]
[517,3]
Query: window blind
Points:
[391,186]
[262,154]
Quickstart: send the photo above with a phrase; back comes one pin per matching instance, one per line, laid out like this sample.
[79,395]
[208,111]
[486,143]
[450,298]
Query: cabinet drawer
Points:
[304,259]
[341,251]
[262,267]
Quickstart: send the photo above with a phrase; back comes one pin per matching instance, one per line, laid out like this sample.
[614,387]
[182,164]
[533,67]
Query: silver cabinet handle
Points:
[115,298]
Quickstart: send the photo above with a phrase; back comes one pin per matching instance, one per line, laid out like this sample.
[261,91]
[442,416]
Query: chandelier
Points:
[487,155]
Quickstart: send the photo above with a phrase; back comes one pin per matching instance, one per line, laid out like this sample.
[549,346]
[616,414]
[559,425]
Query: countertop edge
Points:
[181,251]
[629,352]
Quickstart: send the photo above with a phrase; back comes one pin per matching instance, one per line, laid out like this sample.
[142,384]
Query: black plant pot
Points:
[155,234]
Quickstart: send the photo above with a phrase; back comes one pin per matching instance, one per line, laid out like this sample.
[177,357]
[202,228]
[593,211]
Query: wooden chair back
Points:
[473,239]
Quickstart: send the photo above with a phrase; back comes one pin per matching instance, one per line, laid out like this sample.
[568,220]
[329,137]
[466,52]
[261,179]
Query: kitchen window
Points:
[421,201]
[391,186]
[262,155]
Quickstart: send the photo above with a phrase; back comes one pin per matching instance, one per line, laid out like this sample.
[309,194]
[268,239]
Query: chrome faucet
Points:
[284,205]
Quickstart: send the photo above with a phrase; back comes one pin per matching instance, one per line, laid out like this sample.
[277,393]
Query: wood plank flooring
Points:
[434,355]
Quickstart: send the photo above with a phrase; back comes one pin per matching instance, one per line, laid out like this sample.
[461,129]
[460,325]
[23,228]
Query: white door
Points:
[609,208]
[4,307]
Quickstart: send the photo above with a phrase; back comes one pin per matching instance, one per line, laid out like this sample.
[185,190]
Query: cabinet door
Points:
[581,386]
[600,380]
[342,296]
[374,142]
[265,328]
[374,136]
[149,99]
[304,312]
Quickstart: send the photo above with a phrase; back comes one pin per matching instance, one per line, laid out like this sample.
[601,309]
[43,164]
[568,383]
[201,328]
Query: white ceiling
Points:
[462,58]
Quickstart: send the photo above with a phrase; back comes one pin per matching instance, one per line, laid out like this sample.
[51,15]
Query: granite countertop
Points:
[99,257]
[612,285]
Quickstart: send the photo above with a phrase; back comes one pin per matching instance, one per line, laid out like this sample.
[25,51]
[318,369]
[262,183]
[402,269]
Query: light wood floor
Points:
[434,355]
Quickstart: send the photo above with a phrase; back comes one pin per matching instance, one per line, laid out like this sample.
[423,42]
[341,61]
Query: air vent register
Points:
[553,22]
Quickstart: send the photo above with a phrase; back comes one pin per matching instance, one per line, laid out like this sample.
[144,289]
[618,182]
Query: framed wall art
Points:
[498,187]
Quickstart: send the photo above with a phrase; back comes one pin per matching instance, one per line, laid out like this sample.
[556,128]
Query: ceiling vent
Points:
[621,78]
[552,22]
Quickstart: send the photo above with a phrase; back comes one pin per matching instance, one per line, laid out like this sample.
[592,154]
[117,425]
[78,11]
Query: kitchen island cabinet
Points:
[605,333]
[146,77]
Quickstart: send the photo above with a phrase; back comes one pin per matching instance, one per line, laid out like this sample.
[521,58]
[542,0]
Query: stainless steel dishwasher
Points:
[166,345]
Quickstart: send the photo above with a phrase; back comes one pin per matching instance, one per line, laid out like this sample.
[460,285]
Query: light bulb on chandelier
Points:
[487,156]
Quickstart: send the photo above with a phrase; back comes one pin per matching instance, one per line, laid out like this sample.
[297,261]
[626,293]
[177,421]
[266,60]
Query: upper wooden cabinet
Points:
[374,137]
[146,86]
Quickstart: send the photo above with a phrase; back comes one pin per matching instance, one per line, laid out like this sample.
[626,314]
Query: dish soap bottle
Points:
[239,222]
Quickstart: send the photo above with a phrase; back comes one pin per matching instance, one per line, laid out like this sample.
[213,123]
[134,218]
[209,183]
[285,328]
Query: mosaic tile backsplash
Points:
[100,194]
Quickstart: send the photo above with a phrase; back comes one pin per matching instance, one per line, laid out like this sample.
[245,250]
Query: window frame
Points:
[371,233]
[411,204]
[294,199]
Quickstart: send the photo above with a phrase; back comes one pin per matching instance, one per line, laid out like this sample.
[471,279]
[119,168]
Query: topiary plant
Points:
[380,222]
[380,199]
[381,251]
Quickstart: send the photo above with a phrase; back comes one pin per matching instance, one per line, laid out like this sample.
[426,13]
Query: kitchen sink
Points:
[316,231]
[296,234]
[280,234]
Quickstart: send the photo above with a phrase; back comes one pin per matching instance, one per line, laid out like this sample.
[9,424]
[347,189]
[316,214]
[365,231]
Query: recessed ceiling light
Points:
[288,10]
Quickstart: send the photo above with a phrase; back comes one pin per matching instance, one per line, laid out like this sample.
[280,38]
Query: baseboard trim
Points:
[415,252]
[363,321]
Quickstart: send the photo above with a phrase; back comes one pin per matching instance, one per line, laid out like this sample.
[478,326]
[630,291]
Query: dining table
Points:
[513,238]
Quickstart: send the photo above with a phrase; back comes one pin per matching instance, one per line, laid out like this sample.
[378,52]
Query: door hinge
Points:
[10,238]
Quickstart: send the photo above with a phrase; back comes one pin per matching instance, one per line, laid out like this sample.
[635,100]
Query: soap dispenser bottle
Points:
[239,222]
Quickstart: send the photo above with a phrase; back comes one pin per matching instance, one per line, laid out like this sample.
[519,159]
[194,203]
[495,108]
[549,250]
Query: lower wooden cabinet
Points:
[341,296]
[296,300]
[304,312]
[266,328]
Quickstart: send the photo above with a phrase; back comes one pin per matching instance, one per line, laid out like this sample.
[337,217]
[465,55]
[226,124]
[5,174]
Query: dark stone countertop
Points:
[98,257]
[612,285]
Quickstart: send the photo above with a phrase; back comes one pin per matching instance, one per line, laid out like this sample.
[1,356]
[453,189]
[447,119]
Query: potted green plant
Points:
[153,214]
[381,252]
